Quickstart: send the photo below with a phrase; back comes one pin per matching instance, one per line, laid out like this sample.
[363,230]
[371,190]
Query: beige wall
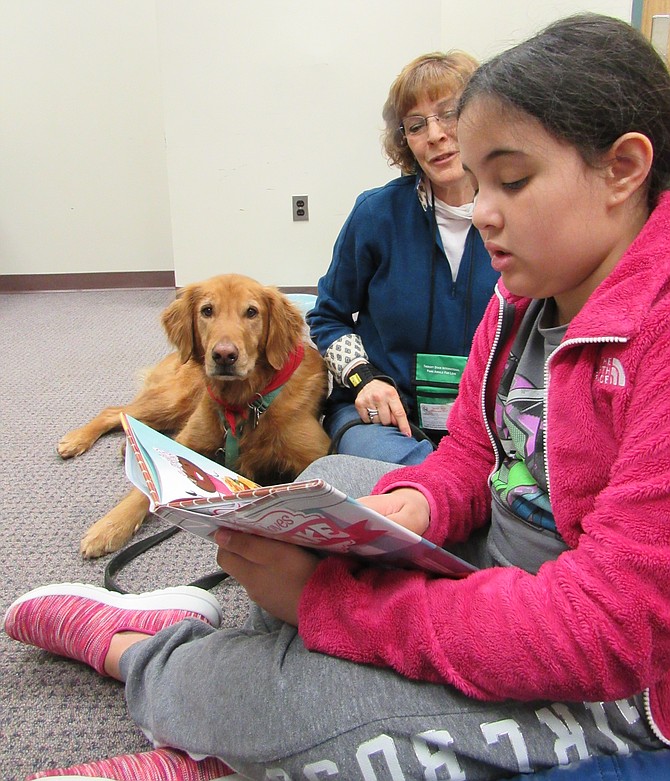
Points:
[486,27]
[83,179]
[151,134]
[268,100]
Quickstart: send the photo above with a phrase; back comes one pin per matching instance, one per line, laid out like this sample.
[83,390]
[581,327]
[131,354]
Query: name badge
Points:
[436,381]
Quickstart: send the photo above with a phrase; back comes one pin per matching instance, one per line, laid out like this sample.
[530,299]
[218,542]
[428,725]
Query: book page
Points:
[176,473]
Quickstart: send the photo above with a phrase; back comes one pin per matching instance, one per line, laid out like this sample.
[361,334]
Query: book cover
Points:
[199,495]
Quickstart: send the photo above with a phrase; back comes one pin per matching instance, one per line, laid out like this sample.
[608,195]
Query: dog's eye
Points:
[252,312]
[207,310]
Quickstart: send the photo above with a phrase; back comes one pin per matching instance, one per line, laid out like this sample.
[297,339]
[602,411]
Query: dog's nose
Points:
[225,354]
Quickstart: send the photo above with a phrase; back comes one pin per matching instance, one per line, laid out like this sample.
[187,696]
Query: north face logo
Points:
[611,373]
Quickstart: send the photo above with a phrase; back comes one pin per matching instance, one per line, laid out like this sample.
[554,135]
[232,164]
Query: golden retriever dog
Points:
[235,340]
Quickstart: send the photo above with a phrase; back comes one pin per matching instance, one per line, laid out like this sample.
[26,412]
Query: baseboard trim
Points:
[288,289]
[33,283]
[29,283]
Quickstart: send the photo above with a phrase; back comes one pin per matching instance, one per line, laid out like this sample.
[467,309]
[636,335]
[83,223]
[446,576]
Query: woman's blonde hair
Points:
[430,75]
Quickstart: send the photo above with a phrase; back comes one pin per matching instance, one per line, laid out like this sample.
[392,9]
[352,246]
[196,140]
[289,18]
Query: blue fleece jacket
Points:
[382,270]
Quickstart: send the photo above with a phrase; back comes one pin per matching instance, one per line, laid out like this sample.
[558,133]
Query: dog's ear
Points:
[179,324]
[285,327]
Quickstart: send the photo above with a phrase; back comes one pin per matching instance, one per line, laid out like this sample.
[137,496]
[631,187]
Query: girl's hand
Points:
[383,397]
[405,506]
[273,573]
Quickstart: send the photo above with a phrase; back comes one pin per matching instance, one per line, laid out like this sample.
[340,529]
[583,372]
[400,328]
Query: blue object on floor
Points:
[638,766]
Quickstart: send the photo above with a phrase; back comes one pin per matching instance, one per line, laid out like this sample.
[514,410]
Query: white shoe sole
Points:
[191,598]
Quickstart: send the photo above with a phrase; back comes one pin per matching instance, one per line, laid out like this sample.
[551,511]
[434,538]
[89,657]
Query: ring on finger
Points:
[372,413]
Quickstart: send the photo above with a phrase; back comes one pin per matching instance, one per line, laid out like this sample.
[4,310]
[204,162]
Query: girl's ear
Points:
[628,164]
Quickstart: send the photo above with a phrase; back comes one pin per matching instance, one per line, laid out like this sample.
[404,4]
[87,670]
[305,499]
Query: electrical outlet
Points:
[300,208]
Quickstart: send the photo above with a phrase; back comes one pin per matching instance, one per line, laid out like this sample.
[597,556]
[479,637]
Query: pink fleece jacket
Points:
[595,623]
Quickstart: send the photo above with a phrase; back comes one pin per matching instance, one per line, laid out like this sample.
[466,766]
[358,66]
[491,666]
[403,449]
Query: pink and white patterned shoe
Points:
[163,764]
[79,621]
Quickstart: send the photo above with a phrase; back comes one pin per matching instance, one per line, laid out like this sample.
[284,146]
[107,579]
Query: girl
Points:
[554,479]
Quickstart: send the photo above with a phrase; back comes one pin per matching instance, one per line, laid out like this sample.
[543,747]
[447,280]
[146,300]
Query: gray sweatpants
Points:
[256,698]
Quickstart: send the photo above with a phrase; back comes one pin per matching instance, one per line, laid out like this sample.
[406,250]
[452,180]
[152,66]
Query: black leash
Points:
[124,557]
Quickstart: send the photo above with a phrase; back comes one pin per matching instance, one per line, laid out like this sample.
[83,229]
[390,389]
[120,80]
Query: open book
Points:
[200,496]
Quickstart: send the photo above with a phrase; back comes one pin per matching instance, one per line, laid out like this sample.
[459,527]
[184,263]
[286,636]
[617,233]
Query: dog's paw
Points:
[74,444]
[102,538]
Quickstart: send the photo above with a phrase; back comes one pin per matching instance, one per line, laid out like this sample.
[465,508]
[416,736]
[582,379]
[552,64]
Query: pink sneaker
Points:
[163,764]
[79,621]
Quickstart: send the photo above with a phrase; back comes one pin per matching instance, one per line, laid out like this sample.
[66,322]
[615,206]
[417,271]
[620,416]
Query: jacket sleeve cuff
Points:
[431,534]
[358,376]
[342,355]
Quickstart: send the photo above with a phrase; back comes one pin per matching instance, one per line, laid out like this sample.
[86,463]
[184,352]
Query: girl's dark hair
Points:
[588,79]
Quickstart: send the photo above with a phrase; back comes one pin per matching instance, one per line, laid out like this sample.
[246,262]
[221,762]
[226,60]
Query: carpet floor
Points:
[66,355]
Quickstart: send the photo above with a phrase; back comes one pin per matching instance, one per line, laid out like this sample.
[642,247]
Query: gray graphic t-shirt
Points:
[523,532]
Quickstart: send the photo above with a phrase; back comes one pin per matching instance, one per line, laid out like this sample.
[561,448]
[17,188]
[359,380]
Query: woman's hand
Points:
[405,506]
[273,573]
[383,397]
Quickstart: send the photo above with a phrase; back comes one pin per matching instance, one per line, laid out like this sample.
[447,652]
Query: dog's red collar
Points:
[233,412]
[292,362]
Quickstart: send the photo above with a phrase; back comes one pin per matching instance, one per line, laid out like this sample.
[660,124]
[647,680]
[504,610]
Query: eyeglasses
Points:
[416,125]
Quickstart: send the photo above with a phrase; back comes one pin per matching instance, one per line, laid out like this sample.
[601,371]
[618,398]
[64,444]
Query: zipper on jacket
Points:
[547,377]
[438,248]
[646,701]
[500,327]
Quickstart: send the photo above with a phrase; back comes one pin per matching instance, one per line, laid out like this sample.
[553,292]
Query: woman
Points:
[409,276]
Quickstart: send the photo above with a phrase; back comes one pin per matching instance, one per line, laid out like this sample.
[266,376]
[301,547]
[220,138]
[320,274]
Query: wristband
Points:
[364,373]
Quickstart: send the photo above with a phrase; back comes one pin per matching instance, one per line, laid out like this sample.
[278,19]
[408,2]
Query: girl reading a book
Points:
[554,479]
